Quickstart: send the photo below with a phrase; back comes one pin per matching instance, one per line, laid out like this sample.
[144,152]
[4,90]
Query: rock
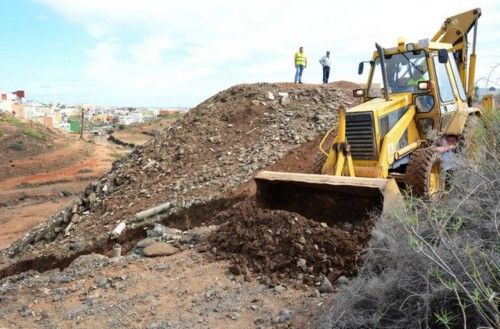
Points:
[270,96]
[75,246]
[158,231]
[77,201]
[301,263]
[236,270]
[284,316]
[325,286]
[279,289]
[316,293]
[342,280]
[92,198]
[103,282]
[145,242]
[60,278]
[285,101]
[75,218]
[159,249]
[24,311]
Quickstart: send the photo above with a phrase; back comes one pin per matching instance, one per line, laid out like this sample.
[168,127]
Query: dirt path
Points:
[32,189]
[180,291]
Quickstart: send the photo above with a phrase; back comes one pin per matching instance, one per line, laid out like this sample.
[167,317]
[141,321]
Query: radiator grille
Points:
[360,136]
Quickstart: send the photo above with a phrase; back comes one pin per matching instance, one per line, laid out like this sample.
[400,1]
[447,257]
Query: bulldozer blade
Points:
[326,198]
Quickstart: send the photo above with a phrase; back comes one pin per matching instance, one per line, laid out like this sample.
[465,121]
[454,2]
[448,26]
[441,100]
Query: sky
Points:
[177,53]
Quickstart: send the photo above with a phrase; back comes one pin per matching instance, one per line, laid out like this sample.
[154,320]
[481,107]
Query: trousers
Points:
[326,73]
[298,73]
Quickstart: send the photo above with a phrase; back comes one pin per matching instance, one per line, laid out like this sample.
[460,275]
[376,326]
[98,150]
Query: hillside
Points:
[21,138]
[41,170]
[201,169]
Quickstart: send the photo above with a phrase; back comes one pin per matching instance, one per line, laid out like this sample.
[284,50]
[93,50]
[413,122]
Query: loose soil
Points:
[203,165]
[270,243]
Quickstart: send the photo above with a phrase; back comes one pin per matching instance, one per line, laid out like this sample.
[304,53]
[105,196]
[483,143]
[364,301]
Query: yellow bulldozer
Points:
[416,111]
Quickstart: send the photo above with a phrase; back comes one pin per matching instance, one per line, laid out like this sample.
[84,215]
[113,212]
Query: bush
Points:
[33,134]
[434,265]
[17,146]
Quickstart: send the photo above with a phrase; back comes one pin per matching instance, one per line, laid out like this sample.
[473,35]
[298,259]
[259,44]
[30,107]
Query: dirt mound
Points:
[205,156]
[21,138]
[280,245]
[346,84]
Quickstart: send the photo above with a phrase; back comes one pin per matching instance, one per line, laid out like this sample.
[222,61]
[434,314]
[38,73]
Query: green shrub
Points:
[33,134]
[2,132]
[434,265]
[17,146]
[11,120]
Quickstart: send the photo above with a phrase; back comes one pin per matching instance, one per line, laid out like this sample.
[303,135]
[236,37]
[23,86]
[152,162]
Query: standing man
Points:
[300,64]
[326,62]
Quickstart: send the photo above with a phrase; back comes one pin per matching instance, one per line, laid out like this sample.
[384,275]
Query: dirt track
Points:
[32,189]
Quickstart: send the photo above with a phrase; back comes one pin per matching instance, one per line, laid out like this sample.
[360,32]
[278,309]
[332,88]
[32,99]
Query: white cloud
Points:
[174,52]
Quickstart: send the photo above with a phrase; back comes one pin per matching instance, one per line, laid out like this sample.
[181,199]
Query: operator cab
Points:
[428,73]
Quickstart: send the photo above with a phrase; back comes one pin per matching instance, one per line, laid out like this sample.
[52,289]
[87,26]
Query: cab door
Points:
[447,100]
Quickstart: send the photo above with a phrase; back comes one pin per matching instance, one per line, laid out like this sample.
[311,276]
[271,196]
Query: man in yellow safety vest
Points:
[300,61]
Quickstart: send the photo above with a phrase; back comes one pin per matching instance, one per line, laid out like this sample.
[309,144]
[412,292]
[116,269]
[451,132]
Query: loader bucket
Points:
[326,198]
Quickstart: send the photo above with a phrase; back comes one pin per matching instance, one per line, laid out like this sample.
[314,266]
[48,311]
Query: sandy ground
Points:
[180,291]
[31,189]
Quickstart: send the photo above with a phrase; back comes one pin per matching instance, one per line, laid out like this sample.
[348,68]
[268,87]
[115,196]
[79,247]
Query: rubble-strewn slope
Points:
[201,159]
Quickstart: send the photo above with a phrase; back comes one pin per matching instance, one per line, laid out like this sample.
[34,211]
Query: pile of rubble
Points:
[203,157]
[280,246]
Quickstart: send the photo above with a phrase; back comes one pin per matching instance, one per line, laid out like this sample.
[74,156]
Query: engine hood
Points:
[382,106]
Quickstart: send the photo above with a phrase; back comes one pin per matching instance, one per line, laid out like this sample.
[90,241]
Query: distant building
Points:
[12,103]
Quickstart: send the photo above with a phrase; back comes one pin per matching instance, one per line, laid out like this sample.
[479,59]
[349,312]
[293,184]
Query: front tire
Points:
[425,174]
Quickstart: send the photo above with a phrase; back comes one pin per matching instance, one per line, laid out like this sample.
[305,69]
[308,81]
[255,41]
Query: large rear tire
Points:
[425,174]
[465,140]
[319,161]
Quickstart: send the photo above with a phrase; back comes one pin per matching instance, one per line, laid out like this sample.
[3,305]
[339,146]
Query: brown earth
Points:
[32,187]
[203,166]
[139,134]
[270,243]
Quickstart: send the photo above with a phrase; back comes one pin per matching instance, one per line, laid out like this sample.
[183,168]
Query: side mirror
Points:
[442,56]
[424,85]
[360,68]
[358,92]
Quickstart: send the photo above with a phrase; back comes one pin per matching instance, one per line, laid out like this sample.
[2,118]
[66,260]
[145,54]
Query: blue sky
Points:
[176,53]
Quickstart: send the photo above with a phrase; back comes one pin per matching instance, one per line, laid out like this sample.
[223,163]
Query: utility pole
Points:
[81,123]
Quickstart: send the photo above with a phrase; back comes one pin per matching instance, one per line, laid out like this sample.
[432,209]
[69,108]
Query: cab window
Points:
[458,82]
[443,81]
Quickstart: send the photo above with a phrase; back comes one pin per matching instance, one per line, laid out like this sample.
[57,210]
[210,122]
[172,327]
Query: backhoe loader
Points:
[415,113]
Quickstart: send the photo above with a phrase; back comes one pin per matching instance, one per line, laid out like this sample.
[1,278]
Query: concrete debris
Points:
[118,230]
